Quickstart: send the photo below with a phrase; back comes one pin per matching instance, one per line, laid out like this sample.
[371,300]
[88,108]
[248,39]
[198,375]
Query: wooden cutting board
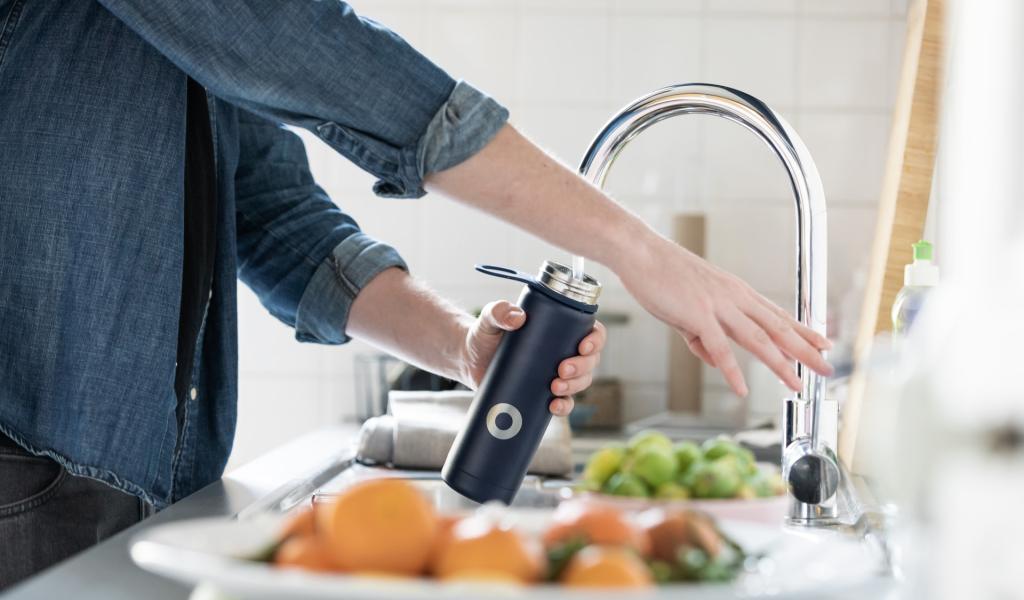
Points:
[906,190]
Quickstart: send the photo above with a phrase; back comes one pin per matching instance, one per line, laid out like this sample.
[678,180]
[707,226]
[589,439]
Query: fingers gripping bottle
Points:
[510,413]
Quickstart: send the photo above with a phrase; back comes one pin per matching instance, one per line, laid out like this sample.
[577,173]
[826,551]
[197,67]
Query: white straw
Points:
[577,268]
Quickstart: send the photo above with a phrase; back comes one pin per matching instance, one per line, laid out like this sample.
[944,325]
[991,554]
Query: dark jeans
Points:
[47,514]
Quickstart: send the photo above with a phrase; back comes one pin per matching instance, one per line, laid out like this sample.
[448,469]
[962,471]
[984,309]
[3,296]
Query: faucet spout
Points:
[803,444]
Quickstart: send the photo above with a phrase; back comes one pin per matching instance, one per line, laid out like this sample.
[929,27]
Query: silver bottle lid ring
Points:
[558,278]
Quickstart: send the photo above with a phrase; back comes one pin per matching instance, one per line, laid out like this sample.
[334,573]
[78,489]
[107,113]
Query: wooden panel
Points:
[906,189]
[685,374]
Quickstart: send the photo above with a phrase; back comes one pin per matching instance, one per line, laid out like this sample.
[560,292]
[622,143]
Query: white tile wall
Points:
[581,75]
[751,6]
[650,51]
[738,166]
[753,53]
[849,149]
[844,63]
[846,7]
[563,67]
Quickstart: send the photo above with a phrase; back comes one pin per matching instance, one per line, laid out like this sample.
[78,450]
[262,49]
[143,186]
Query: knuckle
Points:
[722,355]
[761,337]
[716,347]
[782,366]
[779,325]
[705,304]
[736,287]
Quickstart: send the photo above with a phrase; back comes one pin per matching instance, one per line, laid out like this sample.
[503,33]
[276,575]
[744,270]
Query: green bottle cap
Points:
[922,250]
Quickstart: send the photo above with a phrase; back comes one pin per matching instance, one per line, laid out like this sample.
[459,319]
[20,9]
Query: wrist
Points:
[629,245]
[460,360]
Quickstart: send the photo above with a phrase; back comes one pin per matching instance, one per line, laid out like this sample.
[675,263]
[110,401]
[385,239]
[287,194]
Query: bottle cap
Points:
[921,273]
[922,250]
[558,278]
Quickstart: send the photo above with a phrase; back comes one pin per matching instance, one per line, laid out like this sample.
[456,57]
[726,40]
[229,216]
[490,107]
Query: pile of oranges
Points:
[386,527]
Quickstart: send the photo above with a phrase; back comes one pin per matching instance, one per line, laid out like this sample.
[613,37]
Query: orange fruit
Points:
[595,523]
[704,535]
[380,525]
[302,523]
[671,529]
[481,549]
[378,575]
[607,567]
[445,526]
[484,576]
[305,552]
[667,531]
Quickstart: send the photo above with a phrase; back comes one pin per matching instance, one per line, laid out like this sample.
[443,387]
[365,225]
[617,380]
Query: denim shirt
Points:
[92,128]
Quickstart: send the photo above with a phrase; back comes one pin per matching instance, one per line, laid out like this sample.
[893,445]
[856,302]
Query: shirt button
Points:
[193,393]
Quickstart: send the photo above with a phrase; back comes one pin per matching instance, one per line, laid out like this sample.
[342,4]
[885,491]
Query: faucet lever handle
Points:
[812,474]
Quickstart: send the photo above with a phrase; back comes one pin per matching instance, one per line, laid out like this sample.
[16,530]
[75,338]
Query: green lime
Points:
[687,453]
[648,437]
[716,479]
[603,464]
[767,484]
[747,464]
[625,484]
[716,448]
[653,463]
[671,491]
[688,475]
[746,492]
[745,469]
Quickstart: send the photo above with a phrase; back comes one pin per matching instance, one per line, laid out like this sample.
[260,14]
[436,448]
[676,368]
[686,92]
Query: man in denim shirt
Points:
[125,220]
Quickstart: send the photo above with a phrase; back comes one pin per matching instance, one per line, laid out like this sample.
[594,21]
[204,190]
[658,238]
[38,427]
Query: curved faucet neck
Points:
[757,117]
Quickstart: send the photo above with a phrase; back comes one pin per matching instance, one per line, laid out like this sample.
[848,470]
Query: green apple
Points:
[716,448]
[649,437]
[716,479]
[671,491]
[687,454]
[767,484]
[652,463]
[603,464]
[624,484]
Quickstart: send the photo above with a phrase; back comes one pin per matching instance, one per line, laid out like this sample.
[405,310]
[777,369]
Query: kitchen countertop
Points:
[106,572]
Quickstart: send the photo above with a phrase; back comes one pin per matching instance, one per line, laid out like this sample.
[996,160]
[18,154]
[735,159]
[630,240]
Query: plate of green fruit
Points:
[720,477]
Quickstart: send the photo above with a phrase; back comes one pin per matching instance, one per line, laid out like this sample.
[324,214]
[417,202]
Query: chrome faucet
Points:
[809,462]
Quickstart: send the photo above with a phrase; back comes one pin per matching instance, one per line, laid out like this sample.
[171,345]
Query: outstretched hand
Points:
[575,374]
[708,306]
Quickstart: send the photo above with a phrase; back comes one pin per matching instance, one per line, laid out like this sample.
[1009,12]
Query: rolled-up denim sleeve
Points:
[304,257]
[317,65]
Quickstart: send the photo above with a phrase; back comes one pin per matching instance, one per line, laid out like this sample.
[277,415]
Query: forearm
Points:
[513,179]
[401,316]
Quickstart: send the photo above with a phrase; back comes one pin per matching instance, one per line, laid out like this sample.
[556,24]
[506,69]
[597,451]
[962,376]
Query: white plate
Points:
[798,564]
[769,511]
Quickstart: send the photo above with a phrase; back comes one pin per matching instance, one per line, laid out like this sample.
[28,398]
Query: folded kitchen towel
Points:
[421,427]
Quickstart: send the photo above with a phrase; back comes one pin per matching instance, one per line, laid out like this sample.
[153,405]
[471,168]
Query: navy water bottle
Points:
[510,413]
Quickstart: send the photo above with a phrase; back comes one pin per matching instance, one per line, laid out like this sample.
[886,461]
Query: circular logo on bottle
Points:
[509,426]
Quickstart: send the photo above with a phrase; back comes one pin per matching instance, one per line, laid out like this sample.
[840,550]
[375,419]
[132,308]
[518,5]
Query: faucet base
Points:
[843,509]
[811,515]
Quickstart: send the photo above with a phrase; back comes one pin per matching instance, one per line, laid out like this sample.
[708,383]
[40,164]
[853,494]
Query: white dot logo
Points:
[513,427]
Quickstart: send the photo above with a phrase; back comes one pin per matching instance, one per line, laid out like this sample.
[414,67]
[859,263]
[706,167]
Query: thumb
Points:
[499,316]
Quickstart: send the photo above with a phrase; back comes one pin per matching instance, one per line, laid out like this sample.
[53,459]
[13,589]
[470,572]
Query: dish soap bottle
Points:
[918,279]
